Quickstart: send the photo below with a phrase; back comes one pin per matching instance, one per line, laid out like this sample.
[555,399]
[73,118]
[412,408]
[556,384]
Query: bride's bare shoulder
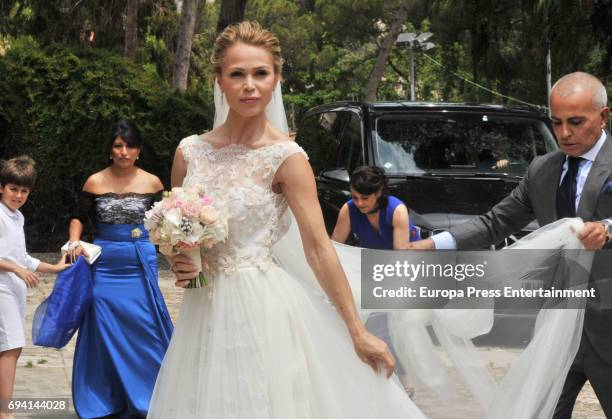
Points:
[280,141]
[212,137]
[275,136]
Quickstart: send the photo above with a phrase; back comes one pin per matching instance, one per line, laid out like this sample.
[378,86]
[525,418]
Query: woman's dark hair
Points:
[128,132]
[367,180]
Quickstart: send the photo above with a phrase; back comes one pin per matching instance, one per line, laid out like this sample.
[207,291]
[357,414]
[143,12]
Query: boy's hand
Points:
[61,264]
[29,277]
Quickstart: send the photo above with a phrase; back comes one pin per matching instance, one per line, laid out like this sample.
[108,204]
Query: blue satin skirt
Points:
[126,331]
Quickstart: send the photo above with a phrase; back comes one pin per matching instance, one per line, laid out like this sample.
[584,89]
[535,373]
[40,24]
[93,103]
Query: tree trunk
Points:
[200,17]
[232,11]
[307,5]
[185,40]
[131,30]
[479,39]
[385,50]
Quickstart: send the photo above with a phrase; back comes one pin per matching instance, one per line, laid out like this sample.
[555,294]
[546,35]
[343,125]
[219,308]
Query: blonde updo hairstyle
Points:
[249,33]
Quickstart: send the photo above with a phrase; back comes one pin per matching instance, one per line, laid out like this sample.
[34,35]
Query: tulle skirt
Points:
[259,345]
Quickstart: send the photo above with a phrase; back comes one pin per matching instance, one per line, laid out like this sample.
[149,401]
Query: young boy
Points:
[17,270]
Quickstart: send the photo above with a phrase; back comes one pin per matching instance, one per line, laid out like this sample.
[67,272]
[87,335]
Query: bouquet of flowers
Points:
[184,221]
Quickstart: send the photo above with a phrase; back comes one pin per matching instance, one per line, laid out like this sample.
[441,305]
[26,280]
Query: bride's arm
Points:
[179,169]
[181,265]
[297,183]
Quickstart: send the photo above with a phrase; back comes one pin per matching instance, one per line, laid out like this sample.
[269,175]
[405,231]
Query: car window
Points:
[459,143]
[319,135]
[350,155]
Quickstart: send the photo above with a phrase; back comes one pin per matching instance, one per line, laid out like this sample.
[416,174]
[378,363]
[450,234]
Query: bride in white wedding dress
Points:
[257,343]
[276,334]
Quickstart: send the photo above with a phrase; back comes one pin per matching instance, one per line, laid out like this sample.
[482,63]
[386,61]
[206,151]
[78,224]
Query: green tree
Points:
[385,49]
[95,89]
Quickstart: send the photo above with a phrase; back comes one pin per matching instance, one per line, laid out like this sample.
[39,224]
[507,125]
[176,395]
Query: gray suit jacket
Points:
[535,198]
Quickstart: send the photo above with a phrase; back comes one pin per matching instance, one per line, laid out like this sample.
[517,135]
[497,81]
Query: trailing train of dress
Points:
[457,371]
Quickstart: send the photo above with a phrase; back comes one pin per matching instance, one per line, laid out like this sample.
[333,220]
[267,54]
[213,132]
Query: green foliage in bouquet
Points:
[59,104]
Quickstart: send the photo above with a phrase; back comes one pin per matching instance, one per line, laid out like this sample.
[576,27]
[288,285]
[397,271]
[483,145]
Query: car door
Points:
[334,142]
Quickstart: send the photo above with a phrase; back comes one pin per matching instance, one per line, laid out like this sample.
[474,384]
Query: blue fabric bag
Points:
[58,317]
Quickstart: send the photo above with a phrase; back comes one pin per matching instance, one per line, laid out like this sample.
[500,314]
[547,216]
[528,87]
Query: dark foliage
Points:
[59,104]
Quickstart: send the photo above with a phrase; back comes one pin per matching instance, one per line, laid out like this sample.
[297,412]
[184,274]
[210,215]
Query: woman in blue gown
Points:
[127,329]
[378,221]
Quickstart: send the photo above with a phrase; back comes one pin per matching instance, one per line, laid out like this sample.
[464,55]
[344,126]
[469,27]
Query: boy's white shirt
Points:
[12,241]
[13,291]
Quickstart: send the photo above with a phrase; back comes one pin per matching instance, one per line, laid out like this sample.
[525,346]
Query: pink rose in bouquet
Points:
[185,221]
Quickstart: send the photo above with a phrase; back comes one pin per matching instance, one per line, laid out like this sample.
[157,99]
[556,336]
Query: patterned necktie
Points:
[566,195]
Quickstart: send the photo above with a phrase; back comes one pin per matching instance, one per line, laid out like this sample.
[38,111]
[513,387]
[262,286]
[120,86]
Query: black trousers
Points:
[588,365]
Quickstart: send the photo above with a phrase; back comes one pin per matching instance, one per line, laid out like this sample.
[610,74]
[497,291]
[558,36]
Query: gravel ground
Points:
[46,373]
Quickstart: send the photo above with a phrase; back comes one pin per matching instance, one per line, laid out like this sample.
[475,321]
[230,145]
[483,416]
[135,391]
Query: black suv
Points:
[447,161]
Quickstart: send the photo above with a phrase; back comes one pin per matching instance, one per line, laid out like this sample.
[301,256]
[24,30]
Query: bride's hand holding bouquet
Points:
[184,222]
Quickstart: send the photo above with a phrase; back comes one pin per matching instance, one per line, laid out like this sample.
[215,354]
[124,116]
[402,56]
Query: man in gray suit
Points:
[574,181]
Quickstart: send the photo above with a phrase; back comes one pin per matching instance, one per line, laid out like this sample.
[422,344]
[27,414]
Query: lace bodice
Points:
[127,208]
[114,208]
[240,180]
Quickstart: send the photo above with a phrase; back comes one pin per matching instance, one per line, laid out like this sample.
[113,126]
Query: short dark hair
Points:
[19,171]
[128,132]
[368,180]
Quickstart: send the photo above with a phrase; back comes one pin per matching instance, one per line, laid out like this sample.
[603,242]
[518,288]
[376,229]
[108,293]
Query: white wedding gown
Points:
[257,342]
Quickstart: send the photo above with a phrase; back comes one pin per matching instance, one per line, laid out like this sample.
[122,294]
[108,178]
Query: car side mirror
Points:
[339,175]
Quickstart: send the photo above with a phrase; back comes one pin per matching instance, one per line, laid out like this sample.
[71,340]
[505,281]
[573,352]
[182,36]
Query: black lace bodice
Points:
[112,208]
